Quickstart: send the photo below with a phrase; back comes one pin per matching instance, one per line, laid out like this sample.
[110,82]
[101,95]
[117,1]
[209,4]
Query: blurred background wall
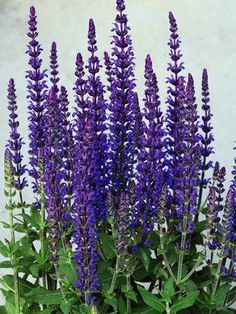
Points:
[207,29]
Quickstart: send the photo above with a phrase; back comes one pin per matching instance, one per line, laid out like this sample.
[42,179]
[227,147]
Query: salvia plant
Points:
[129,214]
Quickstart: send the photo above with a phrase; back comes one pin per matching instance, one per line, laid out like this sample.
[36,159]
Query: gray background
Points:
[207,28]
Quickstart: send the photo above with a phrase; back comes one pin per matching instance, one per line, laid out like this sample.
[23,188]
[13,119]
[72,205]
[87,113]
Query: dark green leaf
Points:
[189,285]
[221,294]
[169,289]
[145,255]
[107,245]
[3,310]
[5,264]
[144,310]
[151,300]
[185,302]
[43,296]
[65,307]
[4,250]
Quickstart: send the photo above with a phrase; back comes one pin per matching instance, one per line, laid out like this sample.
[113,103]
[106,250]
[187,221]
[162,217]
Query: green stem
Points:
[181,250]
[42,232]
[128,284]
[167,264]
[217,281]
[198,263]
[14,258]
[94,309]
[58,275]
[167,308]
[115,275]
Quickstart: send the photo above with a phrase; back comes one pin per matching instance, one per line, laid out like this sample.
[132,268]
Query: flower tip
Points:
[171,17]
[32,11]
[54,45]
[120,5]
[148,59]
[79,58]
[204,75]
[11,82]
[7,155]
[91,25]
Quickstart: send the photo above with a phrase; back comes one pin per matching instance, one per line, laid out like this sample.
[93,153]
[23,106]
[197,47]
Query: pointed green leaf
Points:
[185,302]
[151,299]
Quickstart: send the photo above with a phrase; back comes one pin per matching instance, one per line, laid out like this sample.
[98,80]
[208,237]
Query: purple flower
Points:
[15,141]
[84,210]
[67,154]
[207,137]
[213,220]
[53,174]
[150,153]
[80,89]
[97,105]
[187,191]
[36,96]
[175,68]
[54,67]
[123,104]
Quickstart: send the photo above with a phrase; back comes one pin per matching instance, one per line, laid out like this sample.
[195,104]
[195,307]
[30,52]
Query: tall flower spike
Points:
[151,153]
[53,174]
[84,209]
[213,220]
[122,104]
[175,67]
[98,107]
[80,89]
[36,96]
[188,187]
[206,136]
[54,66]
[15,141]
[123,224]
[67,154]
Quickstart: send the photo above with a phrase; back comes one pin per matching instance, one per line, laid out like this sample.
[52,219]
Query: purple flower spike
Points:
[187,192]
[206,137]
[98,106]
[53,175]
[36,96]
[151,153]
[15,141]
[123,104]
[175,68]
[67,154]
[54,66]
[84,212]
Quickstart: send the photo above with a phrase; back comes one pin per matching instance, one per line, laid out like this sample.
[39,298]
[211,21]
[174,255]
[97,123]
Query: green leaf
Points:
[43,296]
[111,300]
[32,221]
[4,250]
[145,255]
[34,270]
[5,264]
[25,286]
[65,307]
[144,310]
[189,285]
[3,310]
[132,295]
[221,294]
[108,247]
[151,299]
[185,302]
[121,306]
[169,289]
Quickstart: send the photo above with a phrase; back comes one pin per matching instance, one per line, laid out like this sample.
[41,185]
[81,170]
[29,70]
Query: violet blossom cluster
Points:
[117,162]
